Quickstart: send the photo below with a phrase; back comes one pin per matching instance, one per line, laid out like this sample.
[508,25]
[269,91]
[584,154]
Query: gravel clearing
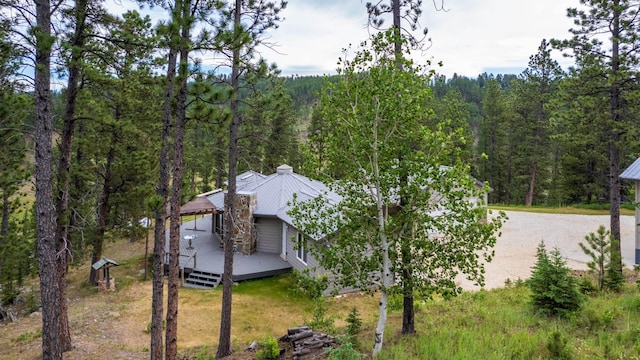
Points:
[515,250]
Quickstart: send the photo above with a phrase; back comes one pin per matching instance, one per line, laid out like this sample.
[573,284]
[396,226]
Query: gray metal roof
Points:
[275,192]
[632,172]
[104,262]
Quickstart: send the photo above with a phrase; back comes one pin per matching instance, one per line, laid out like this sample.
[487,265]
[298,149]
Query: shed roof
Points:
[104,262]
[632,172]
[199,205]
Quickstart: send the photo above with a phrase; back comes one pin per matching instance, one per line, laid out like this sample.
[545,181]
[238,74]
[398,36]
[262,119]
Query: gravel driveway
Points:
[515,250]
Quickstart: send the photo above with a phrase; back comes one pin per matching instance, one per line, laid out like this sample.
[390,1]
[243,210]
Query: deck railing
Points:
[189,257]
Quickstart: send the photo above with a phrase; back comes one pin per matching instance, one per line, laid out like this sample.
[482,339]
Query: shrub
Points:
[614,280]
[553,289]
[587,287]
[321,321]
[354,324]
[557,346]
[270,349]
[313,287]
[346,351]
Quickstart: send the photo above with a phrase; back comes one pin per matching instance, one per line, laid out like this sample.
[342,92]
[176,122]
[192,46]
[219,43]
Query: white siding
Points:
[269,235]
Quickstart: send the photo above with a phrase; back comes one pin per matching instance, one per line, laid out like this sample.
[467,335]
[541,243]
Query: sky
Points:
[469,37]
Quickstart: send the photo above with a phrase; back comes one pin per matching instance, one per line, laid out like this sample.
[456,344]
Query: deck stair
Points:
[202,280]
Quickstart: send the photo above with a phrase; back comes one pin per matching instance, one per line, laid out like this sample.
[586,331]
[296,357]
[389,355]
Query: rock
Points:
[35,314]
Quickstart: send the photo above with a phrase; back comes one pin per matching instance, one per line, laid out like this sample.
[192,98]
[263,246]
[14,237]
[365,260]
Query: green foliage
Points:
[553,290]
[595,319]
[345,351]
[557,345]
[587,287]
[354,323]
[29,336]
[313,287]
[320,320]
[270,349]
[614,278]
[599,250]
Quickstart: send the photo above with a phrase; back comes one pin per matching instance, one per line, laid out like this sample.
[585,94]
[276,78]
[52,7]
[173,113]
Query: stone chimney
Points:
[244,231]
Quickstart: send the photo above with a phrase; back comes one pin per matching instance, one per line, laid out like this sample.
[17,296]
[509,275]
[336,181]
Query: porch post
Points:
[283,250]
[637,222]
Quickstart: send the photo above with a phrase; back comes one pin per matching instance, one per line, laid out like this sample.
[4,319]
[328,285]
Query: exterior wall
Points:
[312,263]
[269,235]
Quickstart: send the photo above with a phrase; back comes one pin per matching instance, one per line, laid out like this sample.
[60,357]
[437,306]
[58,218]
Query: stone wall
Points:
[244,230]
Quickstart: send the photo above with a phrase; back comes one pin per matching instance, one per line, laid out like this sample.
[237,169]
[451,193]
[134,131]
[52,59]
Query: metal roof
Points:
[104,262]
[275,192]
[632,172]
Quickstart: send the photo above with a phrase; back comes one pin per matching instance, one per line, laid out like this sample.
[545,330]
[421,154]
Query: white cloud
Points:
[469,36]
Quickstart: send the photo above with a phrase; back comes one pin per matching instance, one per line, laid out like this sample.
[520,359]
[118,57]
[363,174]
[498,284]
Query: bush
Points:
[321,321]
[587,287]
[553,289]
[346,351]
[614,280]
[313,287]
[557,346]
[270,349]
[354,324]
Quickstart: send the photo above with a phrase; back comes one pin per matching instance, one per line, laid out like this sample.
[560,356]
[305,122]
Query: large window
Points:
[301,250]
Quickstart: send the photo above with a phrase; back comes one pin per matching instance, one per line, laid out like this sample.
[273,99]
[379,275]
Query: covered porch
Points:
[202,258]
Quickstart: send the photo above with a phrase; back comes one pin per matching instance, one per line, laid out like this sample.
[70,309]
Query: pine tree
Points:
[553,289]
[599,250]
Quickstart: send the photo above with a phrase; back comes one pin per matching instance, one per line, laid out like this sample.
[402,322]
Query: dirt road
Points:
[515,250]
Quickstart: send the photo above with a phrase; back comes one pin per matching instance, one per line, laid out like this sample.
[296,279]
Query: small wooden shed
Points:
[107,282]
[633,173]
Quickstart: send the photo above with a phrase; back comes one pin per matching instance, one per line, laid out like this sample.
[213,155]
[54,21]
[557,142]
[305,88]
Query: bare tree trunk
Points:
[45,212]
[156,348]
[171,336]
[386,264]
[224,344]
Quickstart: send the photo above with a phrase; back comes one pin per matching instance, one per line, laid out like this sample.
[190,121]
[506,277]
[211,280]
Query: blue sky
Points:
[469,37]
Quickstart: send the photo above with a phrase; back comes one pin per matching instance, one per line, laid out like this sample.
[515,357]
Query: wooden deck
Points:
[209,256]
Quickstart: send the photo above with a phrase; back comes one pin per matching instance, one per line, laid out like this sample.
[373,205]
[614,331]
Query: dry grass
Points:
[113,325]
[583,210]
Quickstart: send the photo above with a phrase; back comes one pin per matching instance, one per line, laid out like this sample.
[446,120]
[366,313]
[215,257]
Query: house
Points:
[266,243]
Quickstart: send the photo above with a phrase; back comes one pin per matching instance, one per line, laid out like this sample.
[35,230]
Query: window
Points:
[301,251]
[217,223]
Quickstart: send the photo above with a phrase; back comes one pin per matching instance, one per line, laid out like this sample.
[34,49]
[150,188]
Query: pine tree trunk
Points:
[103,210]
[156,348]
[64,164]
[224,344]
[45,211]
[528,201]
[176,195]
[614,151]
